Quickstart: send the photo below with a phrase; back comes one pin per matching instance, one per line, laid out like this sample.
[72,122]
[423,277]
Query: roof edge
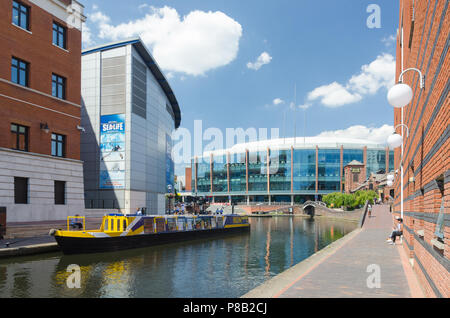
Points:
[151,64]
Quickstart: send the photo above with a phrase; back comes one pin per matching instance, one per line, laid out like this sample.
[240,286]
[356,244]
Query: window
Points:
[19,71]
[60,192]
[59,35]
[20,15]
[20,190]
[19,137]
[58,145]
[58,86]
[355,177]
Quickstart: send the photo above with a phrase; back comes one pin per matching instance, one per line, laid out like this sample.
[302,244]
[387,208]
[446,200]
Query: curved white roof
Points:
[298,143]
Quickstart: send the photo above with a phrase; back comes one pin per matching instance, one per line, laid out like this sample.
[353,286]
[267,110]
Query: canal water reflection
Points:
[221,267]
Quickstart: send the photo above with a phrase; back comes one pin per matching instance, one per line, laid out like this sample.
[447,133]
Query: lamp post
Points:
[399,96]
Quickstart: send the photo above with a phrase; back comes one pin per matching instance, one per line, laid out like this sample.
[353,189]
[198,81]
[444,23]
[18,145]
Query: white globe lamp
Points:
[394,141]
[400,95]
[389,183]
[390,177]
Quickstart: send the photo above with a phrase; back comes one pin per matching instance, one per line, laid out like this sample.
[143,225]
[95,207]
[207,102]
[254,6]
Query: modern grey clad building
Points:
[129,113]
[284,170]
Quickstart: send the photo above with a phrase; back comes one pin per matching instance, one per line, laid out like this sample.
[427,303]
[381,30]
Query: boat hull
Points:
[81,245]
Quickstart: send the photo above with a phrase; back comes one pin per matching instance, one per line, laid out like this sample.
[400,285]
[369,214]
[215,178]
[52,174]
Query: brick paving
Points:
[345,272]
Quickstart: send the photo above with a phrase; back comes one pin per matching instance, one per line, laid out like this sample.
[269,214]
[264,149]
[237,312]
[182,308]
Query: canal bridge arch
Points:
[309,207]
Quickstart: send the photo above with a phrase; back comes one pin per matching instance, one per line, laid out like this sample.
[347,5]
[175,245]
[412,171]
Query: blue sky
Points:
[320,47]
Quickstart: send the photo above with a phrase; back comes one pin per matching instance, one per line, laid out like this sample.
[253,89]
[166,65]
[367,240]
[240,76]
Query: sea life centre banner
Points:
[112,151]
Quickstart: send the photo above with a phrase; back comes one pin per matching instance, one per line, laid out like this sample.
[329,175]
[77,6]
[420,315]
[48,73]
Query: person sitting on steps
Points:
[397,231]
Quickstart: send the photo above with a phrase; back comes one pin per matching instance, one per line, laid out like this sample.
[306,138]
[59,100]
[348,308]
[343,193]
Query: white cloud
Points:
[373,76]
[99,17]
[333,95]
[193,44]
[377,74]
[143,6]
[263,59]
[305,106]
[378,135]
[86,35]
[278,101]
[389,40]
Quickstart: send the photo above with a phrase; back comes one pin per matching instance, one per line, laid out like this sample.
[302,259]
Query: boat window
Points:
[124,224]
[106,225]
[118,225]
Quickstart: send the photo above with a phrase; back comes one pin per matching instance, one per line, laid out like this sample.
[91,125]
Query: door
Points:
[2,222]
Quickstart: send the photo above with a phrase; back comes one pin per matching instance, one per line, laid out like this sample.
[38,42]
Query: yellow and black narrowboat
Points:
[119,231]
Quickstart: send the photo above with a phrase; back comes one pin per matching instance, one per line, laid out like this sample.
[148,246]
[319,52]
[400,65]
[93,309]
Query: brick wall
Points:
[426,159]
[349,171]
[33,105]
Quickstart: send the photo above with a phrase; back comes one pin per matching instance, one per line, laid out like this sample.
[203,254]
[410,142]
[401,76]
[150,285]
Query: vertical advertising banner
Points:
[112,151]
[169,166]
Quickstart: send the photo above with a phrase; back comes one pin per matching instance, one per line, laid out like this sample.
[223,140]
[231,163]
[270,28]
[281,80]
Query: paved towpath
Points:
[349,267]
[26,241]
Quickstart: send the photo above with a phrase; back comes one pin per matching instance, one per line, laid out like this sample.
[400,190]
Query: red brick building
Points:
[40,109]
[188,179]
[354,176]
[422,43]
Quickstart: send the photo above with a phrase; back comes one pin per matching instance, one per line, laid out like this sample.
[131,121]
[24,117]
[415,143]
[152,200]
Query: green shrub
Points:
[349,201]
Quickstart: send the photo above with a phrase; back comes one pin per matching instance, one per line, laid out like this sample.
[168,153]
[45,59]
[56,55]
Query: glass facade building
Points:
[284,171]
[129,112]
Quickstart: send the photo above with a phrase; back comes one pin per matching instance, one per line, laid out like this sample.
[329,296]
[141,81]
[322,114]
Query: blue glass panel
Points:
[22,77]
[203,175]
[61,41]
[304,169]
[280,170]
[391,161]
[14,78]
[15,16]
[352,154]
[257,171]
[60,149]
[55,37]
[376,161]
[53,148]
[24,19]
[54,89]
[237,172]
[220,181]
[329,175]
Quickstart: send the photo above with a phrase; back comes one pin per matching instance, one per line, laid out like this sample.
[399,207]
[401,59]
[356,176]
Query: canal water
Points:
[225,267]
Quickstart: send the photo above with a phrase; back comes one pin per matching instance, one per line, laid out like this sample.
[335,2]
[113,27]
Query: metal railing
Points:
[363,215]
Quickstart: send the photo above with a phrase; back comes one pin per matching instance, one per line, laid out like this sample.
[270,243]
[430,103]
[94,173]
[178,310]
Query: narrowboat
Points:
[119,231]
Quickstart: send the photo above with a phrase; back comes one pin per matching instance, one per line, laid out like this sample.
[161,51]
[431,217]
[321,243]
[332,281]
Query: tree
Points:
[349,201]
